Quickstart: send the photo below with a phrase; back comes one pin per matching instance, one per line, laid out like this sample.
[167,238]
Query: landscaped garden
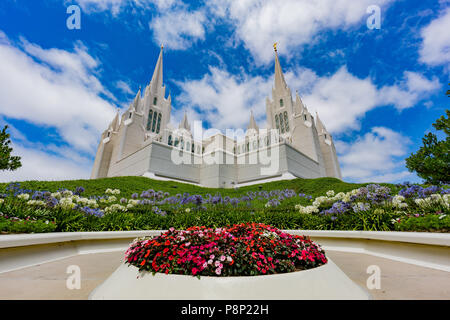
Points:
[138,203]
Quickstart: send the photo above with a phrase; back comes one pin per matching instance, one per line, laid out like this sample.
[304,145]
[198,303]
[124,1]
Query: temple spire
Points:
[136,101]
[115,123]
[319,125]
[157,78]
[252,124]
[184,124]
[280,83]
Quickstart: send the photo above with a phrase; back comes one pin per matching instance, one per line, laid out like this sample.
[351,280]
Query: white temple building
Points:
[143,142]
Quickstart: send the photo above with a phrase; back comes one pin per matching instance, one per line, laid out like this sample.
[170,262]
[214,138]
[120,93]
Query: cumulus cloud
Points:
[225,100]
[178,29]
[291,23]
[54,88]
[376,156]
[435,49]
[40,165]
[221,96]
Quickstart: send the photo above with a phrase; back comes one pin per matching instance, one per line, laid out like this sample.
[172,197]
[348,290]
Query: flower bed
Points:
[238,250]
[371,208]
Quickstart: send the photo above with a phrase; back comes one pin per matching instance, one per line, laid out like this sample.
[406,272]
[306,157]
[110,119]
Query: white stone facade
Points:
[142,142]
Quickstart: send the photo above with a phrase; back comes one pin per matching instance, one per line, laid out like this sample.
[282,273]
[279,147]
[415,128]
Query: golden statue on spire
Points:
[275,46]
[162,46]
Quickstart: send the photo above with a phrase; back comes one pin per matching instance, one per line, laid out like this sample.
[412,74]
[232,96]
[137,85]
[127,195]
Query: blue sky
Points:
[377,90]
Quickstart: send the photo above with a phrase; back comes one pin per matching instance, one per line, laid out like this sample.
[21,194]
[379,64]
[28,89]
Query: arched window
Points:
[325,136]
[130,115]
[176,142]
[182,144]
[193,148]
[281,103]
[277,123]
[286,121]
[203,149]
[304,117]
[159,123]
[149,120]
[109,134]
[155,101]
[248,147]
[281,123]
[169,142]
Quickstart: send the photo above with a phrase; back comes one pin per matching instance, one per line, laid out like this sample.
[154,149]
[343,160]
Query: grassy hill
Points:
[130,185]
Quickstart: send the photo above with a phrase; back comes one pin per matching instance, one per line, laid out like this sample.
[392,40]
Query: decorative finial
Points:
[162,46]
[275,46]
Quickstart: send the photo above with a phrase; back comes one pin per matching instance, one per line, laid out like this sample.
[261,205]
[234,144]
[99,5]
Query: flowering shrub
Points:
[239,250]
[371,207]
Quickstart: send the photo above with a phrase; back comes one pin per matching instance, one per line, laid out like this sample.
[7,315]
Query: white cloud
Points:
[39,165]
[409,91]
[225,100]
[124,87]
[341,98]
[435,49]
[54,88]
[374,157]
[178,28]
[291,23]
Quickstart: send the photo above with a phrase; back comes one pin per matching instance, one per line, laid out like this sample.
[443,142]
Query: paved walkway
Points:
[48,280]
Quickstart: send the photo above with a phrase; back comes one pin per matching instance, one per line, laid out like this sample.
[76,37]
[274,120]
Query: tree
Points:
[7,162]
[432,161]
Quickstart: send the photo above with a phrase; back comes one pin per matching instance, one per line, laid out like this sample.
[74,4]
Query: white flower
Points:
[442,216]
[111,191]
[187,210]
[308,209]
[330,193]
[66,203]
[56,195]
[115,208]
[1,201]
[67,193]
[36,203]
[23,196]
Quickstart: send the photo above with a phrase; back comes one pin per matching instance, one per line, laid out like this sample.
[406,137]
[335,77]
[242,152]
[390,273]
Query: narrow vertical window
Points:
[158,126]
[277,122]
[188,146]
[193,148]
[281,123]
[149,120]
[130,115]
[182,144]
[286,121]
[169,142]
[281,103]
[304,117]
[155,115]
[155,101]
[176,142]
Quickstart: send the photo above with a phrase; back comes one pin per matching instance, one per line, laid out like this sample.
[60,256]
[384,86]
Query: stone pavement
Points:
[48,281]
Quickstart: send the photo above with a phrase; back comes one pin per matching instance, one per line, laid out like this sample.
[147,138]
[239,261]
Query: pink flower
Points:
[205,265]
[222,258]
[210,261]
[211,256]
[217,263]
[218,271]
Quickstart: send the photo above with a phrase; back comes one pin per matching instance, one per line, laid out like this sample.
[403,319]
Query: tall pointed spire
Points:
[280,83]
[157,78]
[252,123]
[136,101]
[319,125]
[298,103]
[115,123]
[184,124]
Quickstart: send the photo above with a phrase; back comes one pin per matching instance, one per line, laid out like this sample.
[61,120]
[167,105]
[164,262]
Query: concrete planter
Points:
[326,282]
